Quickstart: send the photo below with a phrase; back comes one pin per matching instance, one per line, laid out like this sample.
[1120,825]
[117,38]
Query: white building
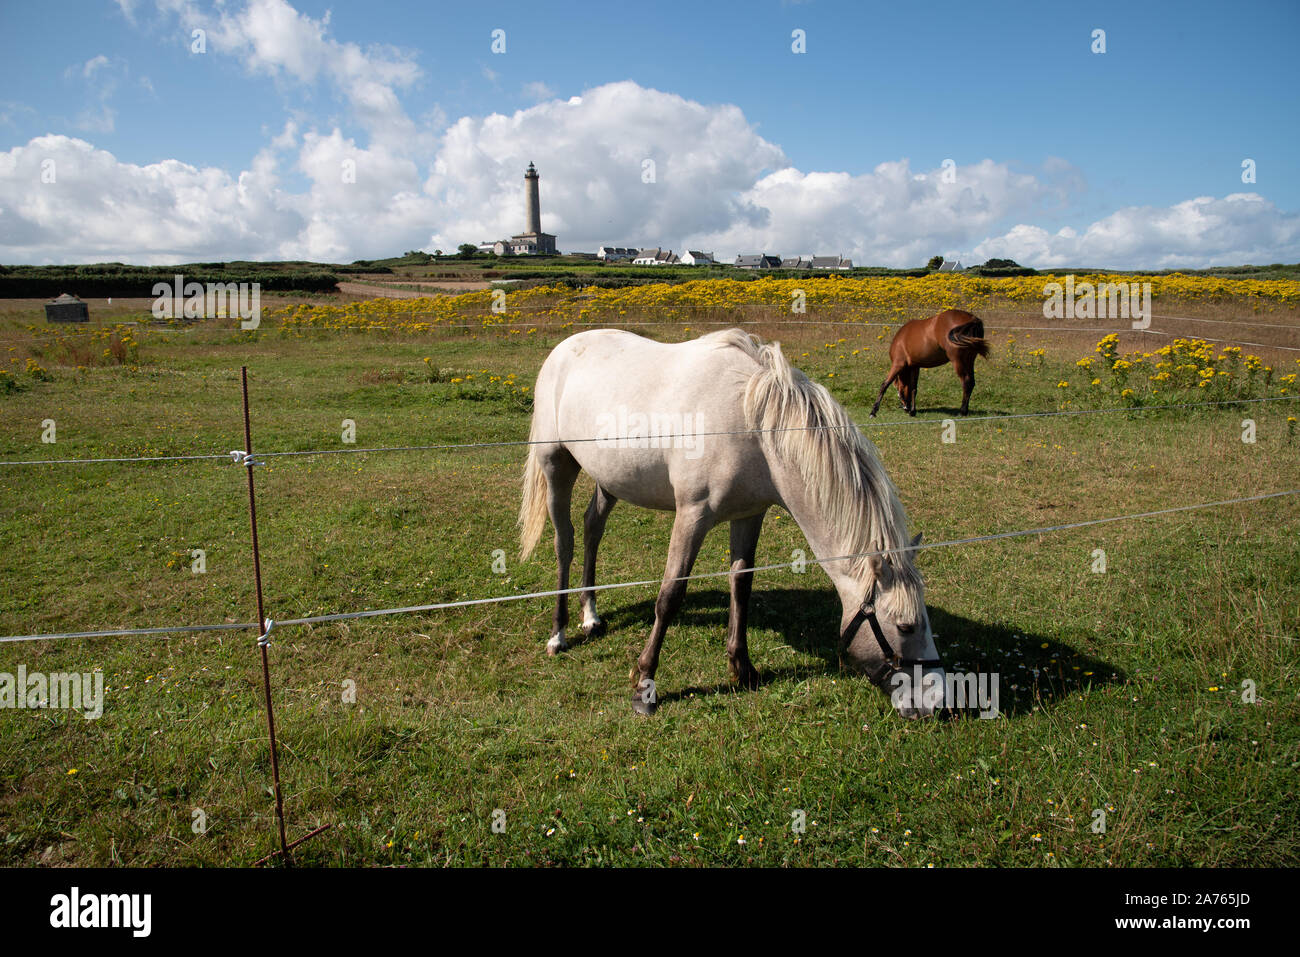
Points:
[655,257]
[693,257]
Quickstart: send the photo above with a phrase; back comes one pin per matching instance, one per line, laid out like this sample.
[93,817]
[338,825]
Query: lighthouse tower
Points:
[532,241]
[534,200]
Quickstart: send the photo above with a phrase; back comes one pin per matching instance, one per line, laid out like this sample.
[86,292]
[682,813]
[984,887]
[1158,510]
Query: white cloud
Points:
[717,184]
[356,216]
[537,90]
[101,209]
[591,151]
[93,64]
[890,216]
[270,37]
[1239,228]
[101,77]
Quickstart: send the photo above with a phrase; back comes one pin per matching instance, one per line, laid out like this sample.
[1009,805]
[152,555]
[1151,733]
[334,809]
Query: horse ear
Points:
[916,541]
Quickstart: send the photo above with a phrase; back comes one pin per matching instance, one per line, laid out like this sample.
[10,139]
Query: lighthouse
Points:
[532,241]
[534,201]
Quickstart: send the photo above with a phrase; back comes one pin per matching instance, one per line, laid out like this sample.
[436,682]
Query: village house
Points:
[655,257]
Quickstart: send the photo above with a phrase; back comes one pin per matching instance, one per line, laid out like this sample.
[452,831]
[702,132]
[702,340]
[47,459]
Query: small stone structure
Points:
[67,308]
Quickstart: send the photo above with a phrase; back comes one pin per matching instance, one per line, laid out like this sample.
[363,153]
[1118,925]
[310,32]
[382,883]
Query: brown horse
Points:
[951,336]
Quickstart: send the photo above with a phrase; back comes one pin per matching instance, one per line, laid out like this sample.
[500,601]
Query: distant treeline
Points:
[116,279]
[412,257]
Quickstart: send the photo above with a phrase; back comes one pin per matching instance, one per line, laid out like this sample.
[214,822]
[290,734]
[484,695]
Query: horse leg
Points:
[964,365]
[689,528]
[894,371]
[744,543]
[593,528]
[913,377]
[561,472]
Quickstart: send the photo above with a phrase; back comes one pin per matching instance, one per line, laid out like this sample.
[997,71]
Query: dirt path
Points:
[375,290]
[460,285]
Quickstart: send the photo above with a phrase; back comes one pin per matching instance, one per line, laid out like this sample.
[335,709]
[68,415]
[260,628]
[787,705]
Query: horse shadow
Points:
[954,411]
[924,411]
[1033,671]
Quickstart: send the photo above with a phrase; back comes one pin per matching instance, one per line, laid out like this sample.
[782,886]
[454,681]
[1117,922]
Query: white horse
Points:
[751,431]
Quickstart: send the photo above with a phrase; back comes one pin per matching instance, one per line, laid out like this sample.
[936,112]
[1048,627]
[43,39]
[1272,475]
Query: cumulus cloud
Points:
[362,201]
[63,200]
[1239,228]
[620,164]
[890,216]
[97,208]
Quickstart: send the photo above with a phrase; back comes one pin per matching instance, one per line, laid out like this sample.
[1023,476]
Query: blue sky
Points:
[1045,134]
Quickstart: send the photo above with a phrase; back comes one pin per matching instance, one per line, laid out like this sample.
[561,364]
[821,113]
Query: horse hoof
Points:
[594,628]
[750,679]
[645,699]
[556,645]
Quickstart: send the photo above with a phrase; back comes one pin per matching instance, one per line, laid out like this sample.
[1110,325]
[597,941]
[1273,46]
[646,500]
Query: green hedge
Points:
[29,282]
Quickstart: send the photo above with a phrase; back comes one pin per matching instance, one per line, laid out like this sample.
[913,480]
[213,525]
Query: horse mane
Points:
[803,424]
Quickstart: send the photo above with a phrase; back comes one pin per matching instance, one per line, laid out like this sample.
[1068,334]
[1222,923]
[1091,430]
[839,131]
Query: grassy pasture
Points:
[1136,708]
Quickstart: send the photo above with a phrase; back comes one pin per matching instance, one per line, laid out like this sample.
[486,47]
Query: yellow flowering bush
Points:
[38,373]
[511,310]
[1183,370]
[118,344]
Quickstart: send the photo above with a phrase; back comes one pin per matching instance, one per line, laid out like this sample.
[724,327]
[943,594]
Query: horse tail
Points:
[970,335]
[533,506]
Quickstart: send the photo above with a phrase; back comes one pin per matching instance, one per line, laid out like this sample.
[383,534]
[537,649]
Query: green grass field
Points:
[1121,691]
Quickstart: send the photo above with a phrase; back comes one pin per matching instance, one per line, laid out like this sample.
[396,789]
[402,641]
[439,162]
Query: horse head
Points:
[888,637]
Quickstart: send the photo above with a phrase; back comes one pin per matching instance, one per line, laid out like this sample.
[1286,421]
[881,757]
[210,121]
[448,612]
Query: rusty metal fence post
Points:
[264,641]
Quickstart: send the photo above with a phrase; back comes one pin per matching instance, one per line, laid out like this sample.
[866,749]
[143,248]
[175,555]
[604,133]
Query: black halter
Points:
[893,662]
